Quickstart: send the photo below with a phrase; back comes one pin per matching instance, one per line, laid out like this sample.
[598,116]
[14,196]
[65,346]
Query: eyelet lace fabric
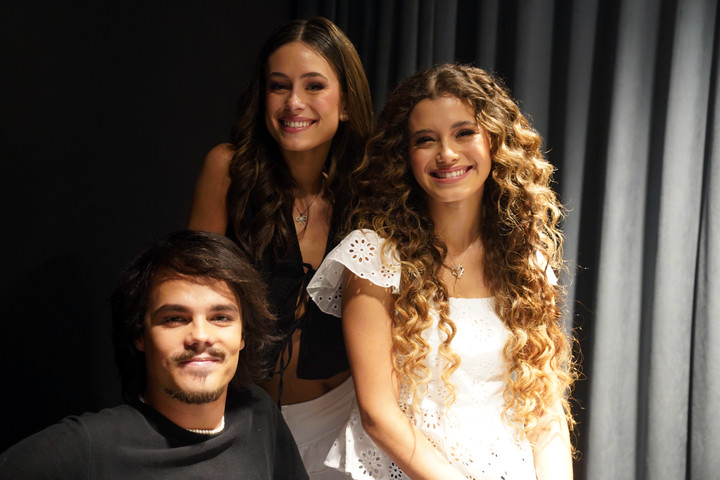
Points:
[471,434]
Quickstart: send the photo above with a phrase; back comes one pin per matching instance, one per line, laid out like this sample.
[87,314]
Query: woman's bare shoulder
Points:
[220,156]
[209,207]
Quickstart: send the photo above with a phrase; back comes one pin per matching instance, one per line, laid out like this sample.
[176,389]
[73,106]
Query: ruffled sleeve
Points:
[360,252]
[542,262]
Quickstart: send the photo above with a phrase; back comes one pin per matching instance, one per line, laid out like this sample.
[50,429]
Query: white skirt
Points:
[316,424]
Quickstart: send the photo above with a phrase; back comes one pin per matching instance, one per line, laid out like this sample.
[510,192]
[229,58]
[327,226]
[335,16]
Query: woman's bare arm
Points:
[551,446]
[209,207]
[367,329]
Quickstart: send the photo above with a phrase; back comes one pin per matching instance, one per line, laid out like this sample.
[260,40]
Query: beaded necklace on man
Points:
[201,431]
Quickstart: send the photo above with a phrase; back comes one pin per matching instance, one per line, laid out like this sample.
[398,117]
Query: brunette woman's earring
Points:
[344,117]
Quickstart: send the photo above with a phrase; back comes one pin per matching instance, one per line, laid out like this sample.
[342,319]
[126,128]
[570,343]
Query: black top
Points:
[322,348]
[135,441]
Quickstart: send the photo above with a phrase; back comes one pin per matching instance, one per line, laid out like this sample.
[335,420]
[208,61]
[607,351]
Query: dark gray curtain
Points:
[625,95]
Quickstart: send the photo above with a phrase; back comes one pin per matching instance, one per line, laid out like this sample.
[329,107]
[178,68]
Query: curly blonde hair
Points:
[519,228]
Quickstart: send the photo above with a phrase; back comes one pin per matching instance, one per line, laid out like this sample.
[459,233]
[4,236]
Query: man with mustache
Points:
[190,322]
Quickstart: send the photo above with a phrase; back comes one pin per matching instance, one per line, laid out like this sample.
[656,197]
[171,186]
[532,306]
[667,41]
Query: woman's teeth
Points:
[454,173]
[295,124]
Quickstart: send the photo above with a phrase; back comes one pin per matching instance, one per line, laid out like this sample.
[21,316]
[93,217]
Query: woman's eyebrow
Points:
[304,75]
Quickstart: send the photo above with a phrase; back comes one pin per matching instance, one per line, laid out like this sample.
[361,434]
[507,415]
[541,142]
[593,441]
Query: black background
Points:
[108,109]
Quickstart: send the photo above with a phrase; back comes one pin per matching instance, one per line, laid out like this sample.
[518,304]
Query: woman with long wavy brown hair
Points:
[450,307]
[281,190]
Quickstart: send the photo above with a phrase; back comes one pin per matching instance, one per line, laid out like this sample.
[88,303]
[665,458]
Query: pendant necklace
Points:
[457,270]
[303,216]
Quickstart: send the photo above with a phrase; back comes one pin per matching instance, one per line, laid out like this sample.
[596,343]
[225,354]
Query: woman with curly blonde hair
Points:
[450,307]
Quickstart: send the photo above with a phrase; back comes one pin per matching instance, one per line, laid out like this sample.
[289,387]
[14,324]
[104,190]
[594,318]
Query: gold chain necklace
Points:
[303,216]
[457,270]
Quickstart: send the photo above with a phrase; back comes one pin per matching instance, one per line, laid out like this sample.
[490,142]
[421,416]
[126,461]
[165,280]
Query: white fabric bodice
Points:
[471,433]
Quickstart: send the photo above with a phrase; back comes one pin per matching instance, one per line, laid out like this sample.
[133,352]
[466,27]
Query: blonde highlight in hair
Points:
[519,229]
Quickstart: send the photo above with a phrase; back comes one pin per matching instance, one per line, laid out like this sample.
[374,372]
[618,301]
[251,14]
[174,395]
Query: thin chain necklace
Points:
[457,270]
[303,216]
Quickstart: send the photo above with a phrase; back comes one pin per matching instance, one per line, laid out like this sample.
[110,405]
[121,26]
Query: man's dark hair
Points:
[200,256]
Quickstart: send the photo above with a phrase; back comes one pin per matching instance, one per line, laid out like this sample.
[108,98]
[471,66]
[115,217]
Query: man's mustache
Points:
[190,354]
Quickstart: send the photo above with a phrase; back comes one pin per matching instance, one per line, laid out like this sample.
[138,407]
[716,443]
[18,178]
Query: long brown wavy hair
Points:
[261,182]
[519,225]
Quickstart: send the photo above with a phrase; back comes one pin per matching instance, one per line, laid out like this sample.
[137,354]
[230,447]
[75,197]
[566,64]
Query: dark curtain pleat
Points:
[534,59]
[576,137]
[411,33]
[625,96]
[444,33]
[424,29]
[704,424]
[486,34]
[380,71]
[395,38]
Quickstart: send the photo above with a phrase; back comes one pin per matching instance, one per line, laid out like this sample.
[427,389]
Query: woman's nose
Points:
[446,154]
[294,102]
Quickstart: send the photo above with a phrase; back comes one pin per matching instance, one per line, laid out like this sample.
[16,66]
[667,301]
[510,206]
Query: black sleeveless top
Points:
[322,348]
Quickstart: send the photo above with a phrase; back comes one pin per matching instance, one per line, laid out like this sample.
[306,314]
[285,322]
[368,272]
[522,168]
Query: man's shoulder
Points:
[89,423]
[65,447]
[119,412]
[250,397]
[108,421]
[263,433]
[258,394]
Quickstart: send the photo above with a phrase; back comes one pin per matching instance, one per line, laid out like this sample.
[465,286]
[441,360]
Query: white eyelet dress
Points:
[471,434]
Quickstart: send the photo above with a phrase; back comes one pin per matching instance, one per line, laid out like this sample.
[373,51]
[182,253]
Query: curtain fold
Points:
[618,338]
[704,443]
[568,132]
[533,67]
[679,193]
[625,96]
